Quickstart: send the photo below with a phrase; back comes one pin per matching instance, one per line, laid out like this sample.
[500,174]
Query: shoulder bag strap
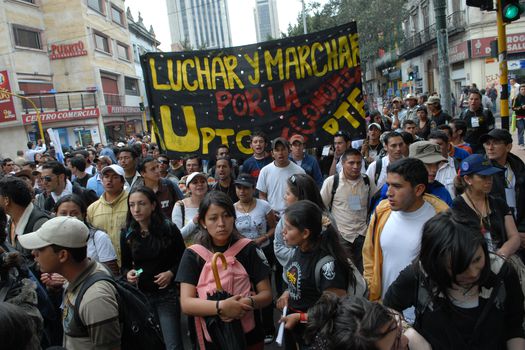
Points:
[334,189]
[237,247]
[202,251]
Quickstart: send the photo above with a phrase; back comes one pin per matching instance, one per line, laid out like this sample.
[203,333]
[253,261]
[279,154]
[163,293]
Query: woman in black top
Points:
[152,247]
[304,228]
[423,126]
[217,234]
[486,211]
[464,298]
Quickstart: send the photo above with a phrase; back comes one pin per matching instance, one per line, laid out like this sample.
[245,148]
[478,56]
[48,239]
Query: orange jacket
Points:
[372,254]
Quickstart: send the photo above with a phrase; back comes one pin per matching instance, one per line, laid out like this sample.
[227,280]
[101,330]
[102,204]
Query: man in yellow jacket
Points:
[394,234]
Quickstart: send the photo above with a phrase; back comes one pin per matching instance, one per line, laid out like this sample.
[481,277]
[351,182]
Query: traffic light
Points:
[511,10]
[484,5]
[411,76]
[141,106]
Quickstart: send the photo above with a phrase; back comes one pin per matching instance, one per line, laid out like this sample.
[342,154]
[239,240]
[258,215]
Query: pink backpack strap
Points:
[237,247]
[201,251]
[200,332]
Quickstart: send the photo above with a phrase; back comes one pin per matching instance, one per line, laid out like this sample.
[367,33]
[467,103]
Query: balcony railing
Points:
[60,101]
[455,23]
[114,99]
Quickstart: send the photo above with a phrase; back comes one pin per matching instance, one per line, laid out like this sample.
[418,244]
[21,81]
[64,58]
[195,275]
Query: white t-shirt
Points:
[272,181]
[400,241]
[99,247]
[188,227]
[371,172]
[446,175]
[253,224]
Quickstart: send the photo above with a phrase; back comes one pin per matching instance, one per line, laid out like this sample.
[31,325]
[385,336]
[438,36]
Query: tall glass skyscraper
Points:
[199,23]
[266,20]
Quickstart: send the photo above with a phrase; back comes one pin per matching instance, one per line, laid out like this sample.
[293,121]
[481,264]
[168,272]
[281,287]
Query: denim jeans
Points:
[520,124]
[166,305]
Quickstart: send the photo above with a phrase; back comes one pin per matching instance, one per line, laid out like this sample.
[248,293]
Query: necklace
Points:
[250,206]
[484,220]
[144,233]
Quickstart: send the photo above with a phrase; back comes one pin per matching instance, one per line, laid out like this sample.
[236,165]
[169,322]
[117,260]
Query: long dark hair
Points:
[304,187]
[325,240]
[347,322]
[157,217]
[222,200]
[448,245]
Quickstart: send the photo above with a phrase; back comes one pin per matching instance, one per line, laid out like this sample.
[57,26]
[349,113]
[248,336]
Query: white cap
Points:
[64,231]
[194,175]
[115,168]
[121,144]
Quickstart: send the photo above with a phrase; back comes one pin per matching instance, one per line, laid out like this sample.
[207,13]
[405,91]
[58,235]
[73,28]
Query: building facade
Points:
[142,40]
[470,33]
[199,24]
[266,20]
[73,59]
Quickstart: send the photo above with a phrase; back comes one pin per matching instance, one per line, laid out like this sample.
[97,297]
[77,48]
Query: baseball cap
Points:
[433,99]
[375,125]
[410,97]
[427,152]
[193,175]
[121,144]
[280,140]
[497,134]
[245,180]
[477,164]
[397,99]
[117,169]
[297,137]
[65,231]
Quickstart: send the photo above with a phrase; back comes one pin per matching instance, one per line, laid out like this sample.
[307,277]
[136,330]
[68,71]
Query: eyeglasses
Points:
[163,161]
[47,178]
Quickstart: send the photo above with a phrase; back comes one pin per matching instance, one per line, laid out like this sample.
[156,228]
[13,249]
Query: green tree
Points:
[378,22]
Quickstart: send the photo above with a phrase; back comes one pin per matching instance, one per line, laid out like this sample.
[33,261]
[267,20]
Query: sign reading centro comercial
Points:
[50,117]
[308,85]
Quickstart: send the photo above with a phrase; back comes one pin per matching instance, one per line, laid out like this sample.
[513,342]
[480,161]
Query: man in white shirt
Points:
[394,235]
[447,171]
[272,178]
[30,153]
[395,148]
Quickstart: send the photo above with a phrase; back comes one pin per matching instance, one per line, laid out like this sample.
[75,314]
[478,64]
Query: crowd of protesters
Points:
[427,213]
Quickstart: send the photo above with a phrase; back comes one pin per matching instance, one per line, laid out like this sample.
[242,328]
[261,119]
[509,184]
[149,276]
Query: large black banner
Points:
[308,85]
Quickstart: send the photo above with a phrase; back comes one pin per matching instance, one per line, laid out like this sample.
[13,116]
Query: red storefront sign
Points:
[52,117]
[458,52]
[119,110]
[7,107]
[481,47]
[67,50]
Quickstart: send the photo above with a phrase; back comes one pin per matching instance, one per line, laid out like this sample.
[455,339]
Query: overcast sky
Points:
[154,13]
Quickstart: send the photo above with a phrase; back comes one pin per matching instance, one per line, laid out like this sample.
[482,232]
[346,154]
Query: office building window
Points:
[123,51]
[117,15]
[26,37]
[102,42]
[131,86]
[97,5]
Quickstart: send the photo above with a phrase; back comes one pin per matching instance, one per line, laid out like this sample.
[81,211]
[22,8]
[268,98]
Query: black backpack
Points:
[141,329]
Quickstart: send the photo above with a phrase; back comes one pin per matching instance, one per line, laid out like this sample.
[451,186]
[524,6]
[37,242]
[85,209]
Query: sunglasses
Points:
[163,161]
[47,178]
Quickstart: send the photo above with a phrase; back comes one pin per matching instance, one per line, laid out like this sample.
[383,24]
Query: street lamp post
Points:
[39,120]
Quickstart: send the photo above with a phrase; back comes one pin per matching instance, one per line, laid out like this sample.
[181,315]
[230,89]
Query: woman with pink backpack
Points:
[245,277]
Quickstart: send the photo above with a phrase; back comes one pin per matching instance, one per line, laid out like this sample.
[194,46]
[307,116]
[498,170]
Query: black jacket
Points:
[486,123]
[498,187]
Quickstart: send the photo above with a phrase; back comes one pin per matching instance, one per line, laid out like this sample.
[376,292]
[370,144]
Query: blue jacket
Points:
[95,183]
[311,167]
